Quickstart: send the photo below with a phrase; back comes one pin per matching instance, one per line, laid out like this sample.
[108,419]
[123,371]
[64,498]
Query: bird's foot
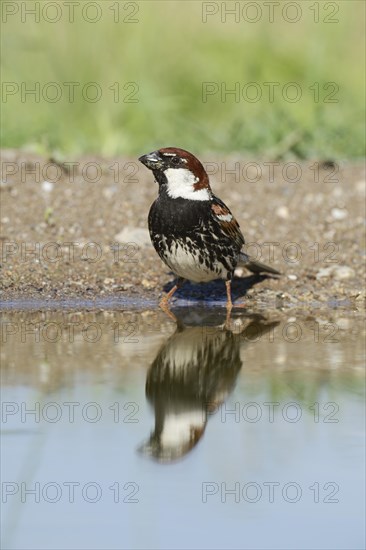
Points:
[164,306]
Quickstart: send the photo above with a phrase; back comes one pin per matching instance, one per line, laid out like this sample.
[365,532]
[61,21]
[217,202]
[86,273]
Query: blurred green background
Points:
[167,51]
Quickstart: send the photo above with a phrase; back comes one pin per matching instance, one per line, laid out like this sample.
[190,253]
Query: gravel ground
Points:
[78,230]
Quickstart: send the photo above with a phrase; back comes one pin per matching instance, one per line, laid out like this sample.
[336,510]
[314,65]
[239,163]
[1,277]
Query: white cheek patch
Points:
[178,428]
[225,217]
[180,185]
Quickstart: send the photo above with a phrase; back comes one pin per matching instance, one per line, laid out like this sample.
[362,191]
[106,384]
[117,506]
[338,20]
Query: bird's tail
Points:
[254,266]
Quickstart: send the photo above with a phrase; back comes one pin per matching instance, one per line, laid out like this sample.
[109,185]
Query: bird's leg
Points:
[229,303]
[164,302]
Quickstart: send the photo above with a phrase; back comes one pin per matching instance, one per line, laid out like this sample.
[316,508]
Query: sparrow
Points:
[193,375]
[191,229]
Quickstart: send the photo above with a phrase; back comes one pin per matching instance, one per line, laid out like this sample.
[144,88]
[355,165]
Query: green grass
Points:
[169,53]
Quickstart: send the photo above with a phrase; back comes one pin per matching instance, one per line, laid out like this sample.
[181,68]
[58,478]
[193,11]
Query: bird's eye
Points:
[175,160]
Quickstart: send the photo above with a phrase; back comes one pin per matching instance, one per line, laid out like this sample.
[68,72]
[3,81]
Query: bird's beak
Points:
[153,161]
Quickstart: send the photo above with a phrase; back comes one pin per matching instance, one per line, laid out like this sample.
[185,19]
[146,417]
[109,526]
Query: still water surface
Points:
[128,430]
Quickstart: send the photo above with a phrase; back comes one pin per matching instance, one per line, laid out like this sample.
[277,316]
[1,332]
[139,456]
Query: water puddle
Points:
[124,429]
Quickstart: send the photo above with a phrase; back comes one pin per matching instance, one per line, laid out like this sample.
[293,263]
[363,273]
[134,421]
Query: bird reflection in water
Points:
[192,375]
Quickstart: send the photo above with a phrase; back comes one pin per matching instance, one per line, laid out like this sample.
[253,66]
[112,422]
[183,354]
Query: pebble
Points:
[109,192]
[315,199]
[47,186]
[147,284]
[343,272]
[324,272]
[283,212]
[343,323]
[337,272]
[339,213]
[136,235]
[292,277]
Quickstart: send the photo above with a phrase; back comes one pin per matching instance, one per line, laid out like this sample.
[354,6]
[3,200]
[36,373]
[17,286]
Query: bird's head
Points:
[178,173]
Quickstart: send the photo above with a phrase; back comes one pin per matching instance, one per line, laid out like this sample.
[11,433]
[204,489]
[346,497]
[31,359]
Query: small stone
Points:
[292,277]
[337,272]
[109,192]
[343,272]
[343,323]
[283,212]
[147,284]
[324,272]
[339,213]
[329,234]
[47,186]
[135,235]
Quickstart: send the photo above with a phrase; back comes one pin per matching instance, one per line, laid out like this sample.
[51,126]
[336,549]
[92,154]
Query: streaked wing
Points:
[226,221]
